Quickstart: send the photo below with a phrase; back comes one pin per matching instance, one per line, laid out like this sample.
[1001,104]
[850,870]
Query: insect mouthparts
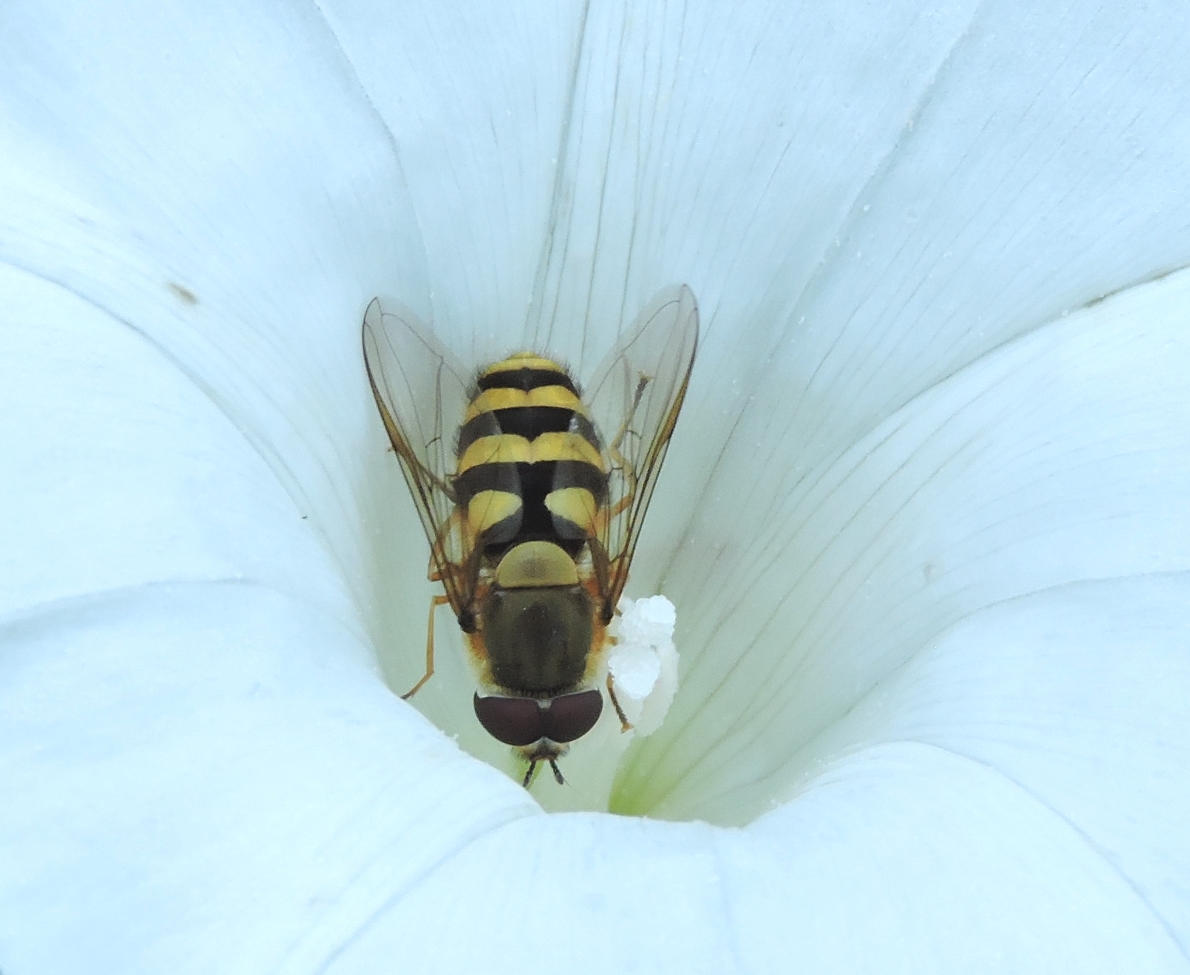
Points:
[533,762]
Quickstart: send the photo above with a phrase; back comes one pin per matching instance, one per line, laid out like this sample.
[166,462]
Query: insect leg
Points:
[641,386]
[619,461]
[625,724]
[602,567]
[599,562]
[439,554]
[434,604]
[626,500]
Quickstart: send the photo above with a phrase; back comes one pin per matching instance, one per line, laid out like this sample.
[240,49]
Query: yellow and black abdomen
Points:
[530,463]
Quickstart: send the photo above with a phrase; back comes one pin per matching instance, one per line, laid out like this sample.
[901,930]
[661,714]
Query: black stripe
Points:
[532,482]
[484,425]
[580,474]
[586,429]
[487,477]
[502,534]
[527,422]
[526,379]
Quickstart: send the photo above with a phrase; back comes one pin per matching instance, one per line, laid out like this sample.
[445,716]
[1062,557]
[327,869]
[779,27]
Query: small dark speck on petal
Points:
[183,294]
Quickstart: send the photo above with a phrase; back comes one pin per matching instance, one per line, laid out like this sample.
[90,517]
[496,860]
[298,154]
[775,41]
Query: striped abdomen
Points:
[530,464]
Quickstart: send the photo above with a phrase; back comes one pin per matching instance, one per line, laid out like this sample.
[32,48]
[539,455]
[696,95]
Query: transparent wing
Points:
[634,401]
[421,393]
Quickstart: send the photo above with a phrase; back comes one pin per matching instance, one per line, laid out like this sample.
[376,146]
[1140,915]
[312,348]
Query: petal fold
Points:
[1059,458]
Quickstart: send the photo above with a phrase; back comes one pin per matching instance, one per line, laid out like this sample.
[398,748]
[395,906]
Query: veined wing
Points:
[421,393]
[634,401]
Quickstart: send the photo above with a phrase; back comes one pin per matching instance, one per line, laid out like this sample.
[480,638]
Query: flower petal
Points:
[211,776]
[1059,458]
[1076,695]
[901,858]
[211,178]
[205,771]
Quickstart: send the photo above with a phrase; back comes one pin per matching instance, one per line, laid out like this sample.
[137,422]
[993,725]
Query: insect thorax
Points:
[538,622]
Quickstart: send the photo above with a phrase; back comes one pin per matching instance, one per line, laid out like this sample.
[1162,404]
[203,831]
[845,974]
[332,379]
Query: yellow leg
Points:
[641,385]
[434,604]
[619,461]
[625,724]
[439,555]
[624,502]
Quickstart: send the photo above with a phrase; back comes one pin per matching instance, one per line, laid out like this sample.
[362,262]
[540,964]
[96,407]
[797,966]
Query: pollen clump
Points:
[644,662]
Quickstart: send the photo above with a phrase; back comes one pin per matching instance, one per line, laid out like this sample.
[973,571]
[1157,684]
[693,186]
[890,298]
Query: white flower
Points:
[924,518]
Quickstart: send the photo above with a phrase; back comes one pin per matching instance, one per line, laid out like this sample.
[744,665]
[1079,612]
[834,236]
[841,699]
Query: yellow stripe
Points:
[574,504]
[564,446]
[503,449]
[556,396]
[523,360]
[504,399]
[489,508]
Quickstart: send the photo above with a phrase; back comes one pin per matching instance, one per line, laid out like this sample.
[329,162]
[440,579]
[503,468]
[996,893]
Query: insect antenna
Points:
[557,772]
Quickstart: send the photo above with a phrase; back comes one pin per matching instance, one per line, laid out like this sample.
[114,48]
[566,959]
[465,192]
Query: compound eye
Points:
[572,715]
[512,720]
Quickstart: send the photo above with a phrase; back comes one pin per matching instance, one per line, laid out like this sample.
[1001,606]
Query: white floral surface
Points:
[924,519]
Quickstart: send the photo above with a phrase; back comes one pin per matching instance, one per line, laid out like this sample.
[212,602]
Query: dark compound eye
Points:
[572,715]
[512,720]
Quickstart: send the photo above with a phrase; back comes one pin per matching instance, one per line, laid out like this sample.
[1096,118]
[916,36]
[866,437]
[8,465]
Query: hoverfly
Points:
[532,497]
